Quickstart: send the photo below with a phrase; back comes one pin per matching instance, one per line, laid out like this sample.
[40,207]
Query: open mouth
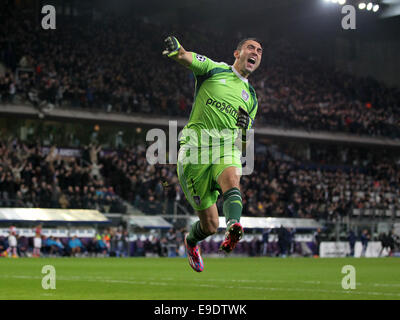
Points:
[251,60]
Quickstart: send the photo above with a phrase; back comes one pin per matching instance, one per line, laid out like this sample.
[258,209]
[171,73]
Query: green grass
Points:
[223,278]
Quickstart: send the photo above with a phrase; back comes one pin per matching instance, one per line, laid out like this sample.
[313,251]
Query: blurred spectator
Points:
[172,243]
[387,242]
[75,246]
[352,242]
[283,241]
[265,239]
[3,247]
[101,246]
[364,238]
[122,243]
[12,243]
[54,246]
[37,245]
[291,232]
[23,246]
[97,246]
[317,241]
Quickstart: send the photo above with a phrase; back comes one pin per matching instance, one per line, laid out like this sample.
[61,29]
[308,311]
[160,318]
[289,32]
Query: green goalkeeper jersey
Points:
[219,92]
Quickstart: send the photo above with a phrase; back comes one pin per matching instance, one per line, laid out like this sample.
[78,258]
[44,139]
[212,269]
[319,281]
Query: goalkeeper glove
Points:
[243,119]
[172,46]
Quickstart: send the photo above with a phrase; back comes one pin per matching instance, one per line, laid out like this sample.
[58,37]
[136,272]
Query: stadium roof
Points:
[254,17]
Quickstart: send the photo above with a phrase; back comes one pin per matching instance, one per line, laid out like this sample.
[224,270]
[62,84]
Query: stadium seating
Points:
[28,178]
[277,188]
[294,91]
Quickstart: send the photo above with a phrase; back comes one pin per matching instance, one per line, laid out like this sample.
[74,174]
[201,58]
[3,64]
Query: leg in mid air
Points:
[229,181]
[201,229]
[198,185]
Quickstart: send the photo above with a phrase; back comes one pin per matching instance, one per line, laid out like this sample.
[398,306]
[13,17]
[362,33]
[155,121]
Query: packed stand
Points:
[153,189]
[116,66]
[293,189]
[301,92]
[30,178]
[277,188]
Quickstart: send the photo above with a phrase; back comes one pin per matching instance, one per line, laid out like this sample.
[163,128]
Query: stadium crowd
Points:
[116,66]
[152,189]
[29,178]
[280,186]
[293,189]
[277,188]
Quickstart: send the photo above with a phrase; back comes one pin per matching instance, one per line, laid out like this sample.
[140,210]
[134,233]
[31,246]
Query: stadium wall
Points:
[163,122]
[330,249]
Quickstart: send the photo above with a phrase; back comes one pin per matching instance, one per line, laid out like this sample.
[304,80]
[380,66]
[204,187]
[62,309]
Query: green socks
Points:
[196,234]
[232,207]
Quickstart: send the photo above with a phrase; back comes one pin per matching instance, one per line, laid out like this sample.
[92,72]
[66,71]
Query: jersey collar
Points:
[238,74]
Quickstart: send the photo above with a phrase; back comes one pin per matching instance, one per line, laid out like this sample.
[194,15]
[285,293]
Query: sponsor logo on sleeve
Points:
[197,200]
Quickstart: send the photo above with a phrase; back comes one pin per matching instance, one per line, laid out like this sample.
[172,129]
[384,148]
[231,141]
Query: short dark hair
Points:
[242,42]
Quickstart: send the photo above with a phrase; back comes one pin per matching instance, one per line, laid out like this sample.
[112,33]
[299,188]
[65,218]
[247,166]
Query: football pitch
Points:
[222,279]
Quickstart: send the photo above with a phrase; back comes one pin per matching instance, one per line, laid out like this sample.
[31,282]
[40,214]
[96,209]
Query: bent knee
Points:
[212,230]
[229,182]
[232,182]
[210,227]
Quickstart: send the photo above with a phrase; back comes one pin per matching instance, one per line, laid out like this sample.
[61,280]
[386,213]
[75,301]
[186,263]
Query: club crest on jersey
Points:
[197,200]
[245,95]
[200,58]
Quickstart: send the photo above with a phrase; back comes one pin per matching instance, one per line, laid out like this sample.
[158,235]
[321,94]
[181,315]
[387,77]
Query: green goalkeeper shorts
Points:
[199,178]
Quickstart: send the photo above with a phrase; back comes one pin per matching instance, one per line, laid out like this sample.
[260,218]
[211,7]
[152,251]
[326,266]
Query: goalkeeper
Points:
[224,108]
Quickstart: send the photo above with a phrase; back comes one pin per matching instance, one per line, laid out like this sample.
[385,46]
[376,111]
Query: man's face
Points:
[249,56]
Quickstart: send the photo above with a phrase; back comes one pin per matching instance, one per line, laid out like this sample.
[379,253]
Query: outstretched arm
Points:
[175,51]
